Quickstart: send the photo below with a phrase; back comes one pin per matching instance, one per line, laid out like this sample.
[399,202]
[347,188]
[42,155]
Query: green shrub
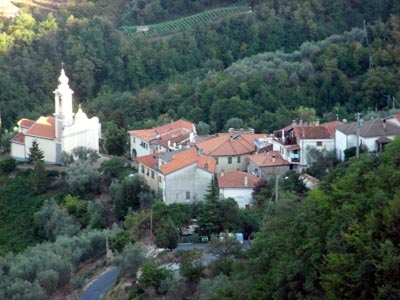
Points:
[7,164]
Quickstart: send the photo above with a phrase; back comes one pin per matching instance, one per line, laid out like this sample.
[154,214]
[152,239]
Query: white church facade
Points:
[60,133]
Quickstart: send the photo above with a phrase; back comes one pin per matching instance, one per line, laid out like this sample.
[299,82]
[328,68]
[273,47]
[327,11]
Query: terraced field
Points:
[184,23]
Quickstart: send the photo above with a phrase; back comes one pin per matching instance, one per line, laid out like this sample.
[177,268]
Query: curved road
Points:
[101,285]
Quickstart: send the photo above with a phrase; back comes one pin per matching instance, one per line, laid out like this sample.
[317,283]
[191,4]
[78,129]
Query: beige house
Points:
[230,150]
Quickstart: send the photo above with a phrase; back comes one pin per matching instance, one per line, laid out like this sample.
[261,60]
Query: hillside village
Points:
[201,150]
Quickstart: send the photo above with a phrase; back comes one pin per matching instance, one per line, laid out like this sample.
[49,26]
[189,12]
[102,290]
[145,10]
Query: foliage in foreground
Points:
[339,243]
[38,271]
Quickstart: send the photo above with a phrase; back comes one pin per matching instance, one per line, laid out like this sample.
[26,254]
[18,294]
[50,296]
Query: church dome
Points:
[80,115]
[63,79]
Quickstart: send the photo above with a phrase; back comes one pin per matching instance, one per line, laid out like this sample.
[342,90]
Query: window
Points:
[142,169]
[133,139]
[159,179]
[230,160]
[319,143]
[187,195]
[216,160]
[238,159]
[152,174]
[147,171]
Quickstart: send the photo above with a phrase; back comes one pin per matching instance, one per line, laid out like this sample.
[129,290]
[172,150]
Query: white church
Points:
[62,132]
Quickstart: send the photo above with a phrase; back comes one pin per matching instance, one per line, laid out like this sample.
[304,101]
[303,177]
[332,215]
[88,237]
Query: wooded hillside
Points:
[139,81]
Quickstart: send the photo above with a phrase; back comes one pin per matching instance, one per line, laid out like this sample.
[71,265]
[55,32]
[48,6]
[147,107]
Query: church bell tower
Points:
[63,105]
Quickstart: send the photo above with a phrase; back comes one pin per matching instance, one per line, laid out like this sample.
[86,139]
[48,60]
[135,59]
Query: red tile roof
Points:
[311,132]
[331,126]
[165,132]
[268,159]
[19,138]
[186,158]
[229,144]
[44,127]
[25,123]
[236,179]
[148,160]
[179,124]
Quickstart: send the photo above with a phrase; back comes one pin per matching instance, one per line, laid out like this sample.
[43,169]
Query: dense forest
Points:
[259,66]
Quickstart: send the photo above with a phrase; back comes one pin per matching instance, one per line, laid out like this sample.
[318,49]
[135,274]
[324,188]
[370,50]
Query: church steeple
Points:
[63,104]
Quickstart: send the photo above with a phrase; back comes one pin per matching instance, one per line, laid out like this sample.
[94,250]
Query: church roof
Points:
[25,123]
[44,127]
[19,138]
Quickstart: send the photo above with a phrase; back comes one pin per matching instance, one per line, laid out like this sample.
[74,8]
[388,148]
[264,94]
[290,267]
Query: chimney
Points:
[301,122]
[273,158]
[283,135]
[317,122]
[384,123]
[222,172]
[303,133]
[246,180]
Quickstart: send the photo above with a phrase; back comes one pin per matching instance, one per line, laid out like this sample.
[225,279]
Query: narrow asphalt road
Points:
[101,285]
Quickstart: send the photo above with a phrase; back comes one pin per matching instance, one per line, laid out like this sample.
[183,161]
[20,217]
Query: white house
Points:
[169,137]
[59,133]
[294,141]
[179,176]
[374,134]
[237,185]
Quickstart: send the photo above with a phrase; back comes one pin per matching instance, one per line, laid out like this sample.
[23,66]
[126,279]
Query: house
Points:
[374,134]
[267,164]
[57,134]
[142,28]
[169,137]
[230,150]
[294,141]
[178,176]
[237,185]
[309,181]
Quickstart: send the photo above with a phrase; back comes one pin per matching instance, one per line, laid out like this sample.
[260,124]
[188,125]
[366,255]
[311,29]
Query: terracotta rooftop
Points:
[164,132]
[25,123]
[44,127]
[268,159]
[185,158]
[149,160]
[236,179]
[372,128]
[19,138]
[229,144]
[331,126]
[311,132]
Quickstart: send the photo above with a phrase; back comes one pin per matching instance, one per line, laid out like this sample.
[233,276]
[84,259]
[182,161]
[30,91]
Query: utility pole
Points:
[276,188]
[358,136]
[151,222]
